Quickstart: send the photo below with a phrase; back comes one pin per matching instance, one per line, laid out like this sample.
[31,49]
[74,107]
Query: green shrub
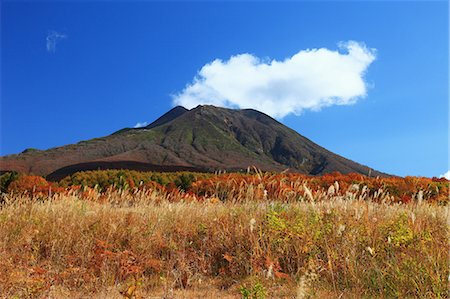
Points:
[6,179]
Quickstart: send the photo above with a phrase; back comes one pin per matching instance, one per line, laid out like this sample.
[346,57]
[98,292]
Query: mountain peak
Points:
[168,116]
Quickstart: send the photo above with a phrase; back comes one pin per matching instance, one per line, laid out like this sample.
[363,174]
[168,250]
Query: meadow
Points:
[122,234]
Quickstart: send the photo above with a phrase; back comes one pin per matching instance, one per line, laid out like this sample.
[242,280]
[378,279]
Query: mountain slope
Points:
[206,138]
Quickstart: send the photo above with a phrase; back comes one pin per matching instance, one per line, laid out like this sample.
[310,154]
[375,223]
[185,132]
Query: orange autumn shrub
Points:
[32,184]
[29,183]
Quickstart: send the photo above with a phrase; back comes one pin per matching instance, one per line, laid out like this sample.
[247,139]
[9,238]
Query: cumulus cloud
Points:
[53,37]
[140,125]
[445,175]
[309,80]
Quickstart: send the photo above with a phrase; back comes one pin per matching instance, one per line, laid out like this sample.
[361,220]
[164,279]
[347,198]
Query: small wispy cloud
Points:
[309,80]
[53,37]
[140,125]
[445,175]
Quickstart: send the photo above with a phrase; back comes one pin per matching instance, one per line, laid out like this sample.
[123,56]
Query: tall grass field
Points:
[226,236]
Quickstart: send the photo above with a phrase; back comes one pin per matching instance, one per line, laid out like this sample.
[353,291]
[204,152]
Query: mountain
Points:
[205,138]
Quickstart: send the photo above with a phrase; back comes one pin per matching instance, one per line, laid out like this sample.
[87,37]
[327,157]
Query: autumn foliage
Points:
[292,187]
[33,185]
[237,187]
[247,235]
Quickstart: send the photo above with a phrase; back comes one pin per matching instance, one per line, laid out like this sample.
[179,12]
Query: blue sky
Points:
[110,65]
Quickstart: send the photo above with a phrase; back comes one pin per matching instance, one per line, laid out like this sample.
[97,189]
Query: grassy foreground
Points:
[133,245]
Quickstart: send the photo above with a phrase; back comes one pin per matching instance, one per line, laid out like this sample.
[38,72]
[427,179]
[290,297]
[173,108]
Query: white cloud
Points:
[54,37]
[445,175]
[309,80]
[140,125]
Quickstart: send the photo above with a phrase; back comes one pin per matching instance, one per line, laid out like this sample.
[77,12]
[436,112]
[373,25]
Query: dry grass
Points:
[144,244]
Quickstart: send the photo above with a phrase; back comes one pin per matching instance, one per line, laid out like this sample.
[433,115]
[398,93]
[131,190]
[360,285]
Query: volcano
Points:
[206,138]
